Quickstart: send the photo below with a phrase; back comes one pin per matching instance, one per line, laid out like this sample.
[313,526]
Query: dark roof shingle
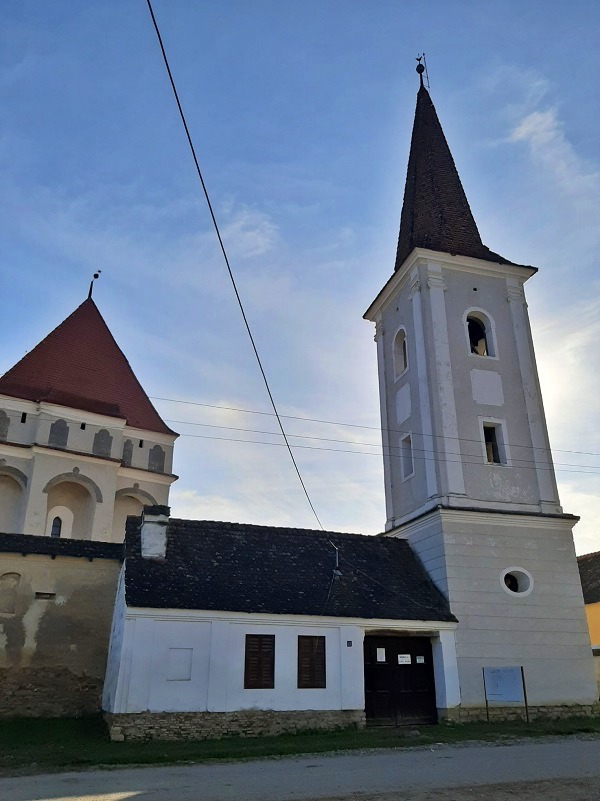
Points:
[589,572]
[54,546]
[261,569]
[435,211]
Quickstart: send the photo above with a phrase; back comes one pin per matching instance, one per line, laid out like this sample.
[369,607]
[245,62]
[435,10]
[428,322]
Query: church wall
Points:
[407,407]
[544,630]
[54,632]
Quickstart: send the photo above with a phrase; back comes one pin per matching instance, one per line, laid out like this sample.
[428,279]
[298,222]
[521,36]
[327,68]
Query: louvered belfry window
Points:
[311,662]
[259,669]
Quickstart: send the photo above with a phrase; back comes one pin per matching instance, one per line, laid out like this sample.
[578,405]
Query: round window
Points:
[516,581]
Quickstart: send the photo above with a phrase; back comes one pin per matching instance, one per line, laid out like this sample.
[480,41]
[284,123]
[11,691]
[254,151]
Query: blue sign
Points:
[503,684]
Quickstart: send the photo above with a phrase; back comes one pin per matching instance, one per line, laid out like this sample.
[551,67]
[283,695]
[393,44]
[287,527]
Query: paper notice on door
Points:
[404,659]
[381,654]
[420,660]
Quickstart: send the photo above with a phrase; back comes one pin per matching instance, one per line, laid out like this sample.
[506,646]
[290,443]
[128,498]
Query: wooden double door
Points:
[399,681]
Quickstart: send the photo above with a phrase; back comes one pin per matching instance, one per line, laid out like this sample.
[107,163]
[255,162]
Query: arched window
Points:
[102,443]
[156,459]
[9,585]
[59,434]
[127,453]
[4,424]
[480,333]
[56,527]
[400,353]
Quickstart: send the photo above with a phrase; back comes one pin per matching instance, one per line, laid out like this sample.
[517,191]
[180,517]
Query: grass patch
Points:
[47,745]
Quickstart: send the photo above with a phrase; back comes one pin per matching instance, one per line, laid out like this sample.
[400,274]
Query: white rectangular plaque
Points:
[503,684]
[381,654]
[420,660]
[404,659]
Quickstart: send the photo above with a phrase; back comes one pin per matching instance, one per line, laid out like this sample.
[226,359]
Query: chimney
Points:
[153,532]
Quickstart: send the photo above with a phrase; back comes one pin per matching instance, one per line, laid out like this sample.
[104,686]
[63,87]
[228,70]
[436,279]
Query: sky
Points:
[301,114]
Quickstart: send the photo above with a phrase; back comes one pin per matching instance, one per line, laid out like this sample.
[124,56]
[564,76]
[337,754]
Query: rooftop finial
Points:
[420,68]
[96,275]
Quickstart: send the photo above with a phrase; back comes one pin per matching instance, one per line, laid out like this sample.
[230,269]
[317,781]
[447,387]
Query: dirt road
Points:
[563,769]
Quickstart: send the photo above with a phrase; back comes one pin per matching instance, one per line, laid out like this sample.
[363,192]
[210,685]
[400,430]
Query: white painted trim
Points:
[499,423]
[468,516]
[141,474]
[451,459]
[264,619]
[477,311]
[516,569]
[54,410]
[403,436]
[533,398]
[423,385]
[458,263]
[385,434]
[407,364]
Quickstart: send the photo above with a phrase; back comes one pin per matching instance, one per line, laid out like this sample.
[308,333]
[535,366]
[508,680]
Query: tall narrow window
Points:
[406,456]
[311,662]
[259,668]
[477,336]
[59,434]
[127,453]
[4,424]
[400,353]
[479,328]
[56,527]
[102,443]
[156,459]
[494,443]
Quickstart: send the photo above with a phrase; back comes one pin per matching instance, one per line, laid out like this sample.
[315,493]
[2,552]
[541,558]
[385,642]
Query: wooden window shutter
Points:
[259,667]
[311,662]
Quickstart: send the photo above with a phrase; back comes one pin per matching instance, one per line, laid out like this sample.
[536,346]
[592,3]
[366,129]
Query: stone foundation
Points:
[215,725]
[49,692]
[517,713]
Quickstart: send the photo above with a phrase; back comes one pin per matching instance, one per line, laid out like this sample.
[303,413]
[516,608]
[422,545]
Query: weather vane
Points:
[422,68]
[96,275]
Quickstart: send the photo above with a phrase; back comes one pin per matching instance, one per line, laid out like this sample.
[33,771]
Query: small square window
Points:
[82,426]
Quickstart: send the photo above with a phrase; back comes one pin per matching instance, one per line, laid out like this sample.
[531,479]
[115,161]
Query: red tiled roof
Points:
[435,212]
[80,365]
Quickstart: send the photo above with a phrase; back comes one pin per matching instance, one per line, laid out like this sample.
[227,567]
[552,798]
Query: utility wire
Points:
[436,458]
[351,425]
[388,448]
[229,270]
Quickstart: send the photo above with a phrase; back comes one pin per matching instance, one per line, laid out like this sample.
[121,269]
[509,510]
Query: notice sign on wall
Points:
[404,659]
[503,684]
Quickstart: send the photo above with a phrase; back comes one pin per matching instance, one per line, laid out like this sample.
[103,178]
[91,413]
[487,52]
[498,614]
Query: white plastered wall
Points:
[545,630]
[138,671]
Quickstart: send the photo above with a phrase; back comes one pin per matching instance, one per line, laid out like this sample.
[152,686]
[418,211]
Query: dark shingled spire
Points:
[435,212]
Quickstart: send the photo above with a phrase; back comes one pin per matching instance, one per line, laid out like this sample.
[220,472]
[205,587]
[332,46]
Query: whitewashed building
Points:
[81,446]
[222,628]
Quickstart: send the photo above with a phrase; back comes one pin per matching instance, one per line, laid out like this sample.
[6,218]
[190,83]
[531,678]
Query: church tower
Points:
[469,479]
[81,446]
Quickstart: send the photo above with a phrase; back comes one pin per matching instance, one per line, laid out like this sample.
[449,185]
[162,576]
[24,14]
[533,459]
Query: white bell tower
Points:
[469,479]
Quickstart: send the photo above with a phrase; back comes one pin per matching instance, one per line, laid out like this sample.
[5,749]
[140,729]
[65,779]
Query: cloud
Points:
[544,134]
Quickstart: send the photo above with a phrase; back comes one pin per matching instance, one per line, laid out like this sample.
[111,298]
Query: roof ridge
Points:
[266,528]
[79,364]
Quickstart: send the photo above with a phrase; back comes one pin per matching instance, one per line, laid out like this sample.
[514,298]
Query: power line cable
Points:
[224,252]
[437,458]
[388,448]
[353,425]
